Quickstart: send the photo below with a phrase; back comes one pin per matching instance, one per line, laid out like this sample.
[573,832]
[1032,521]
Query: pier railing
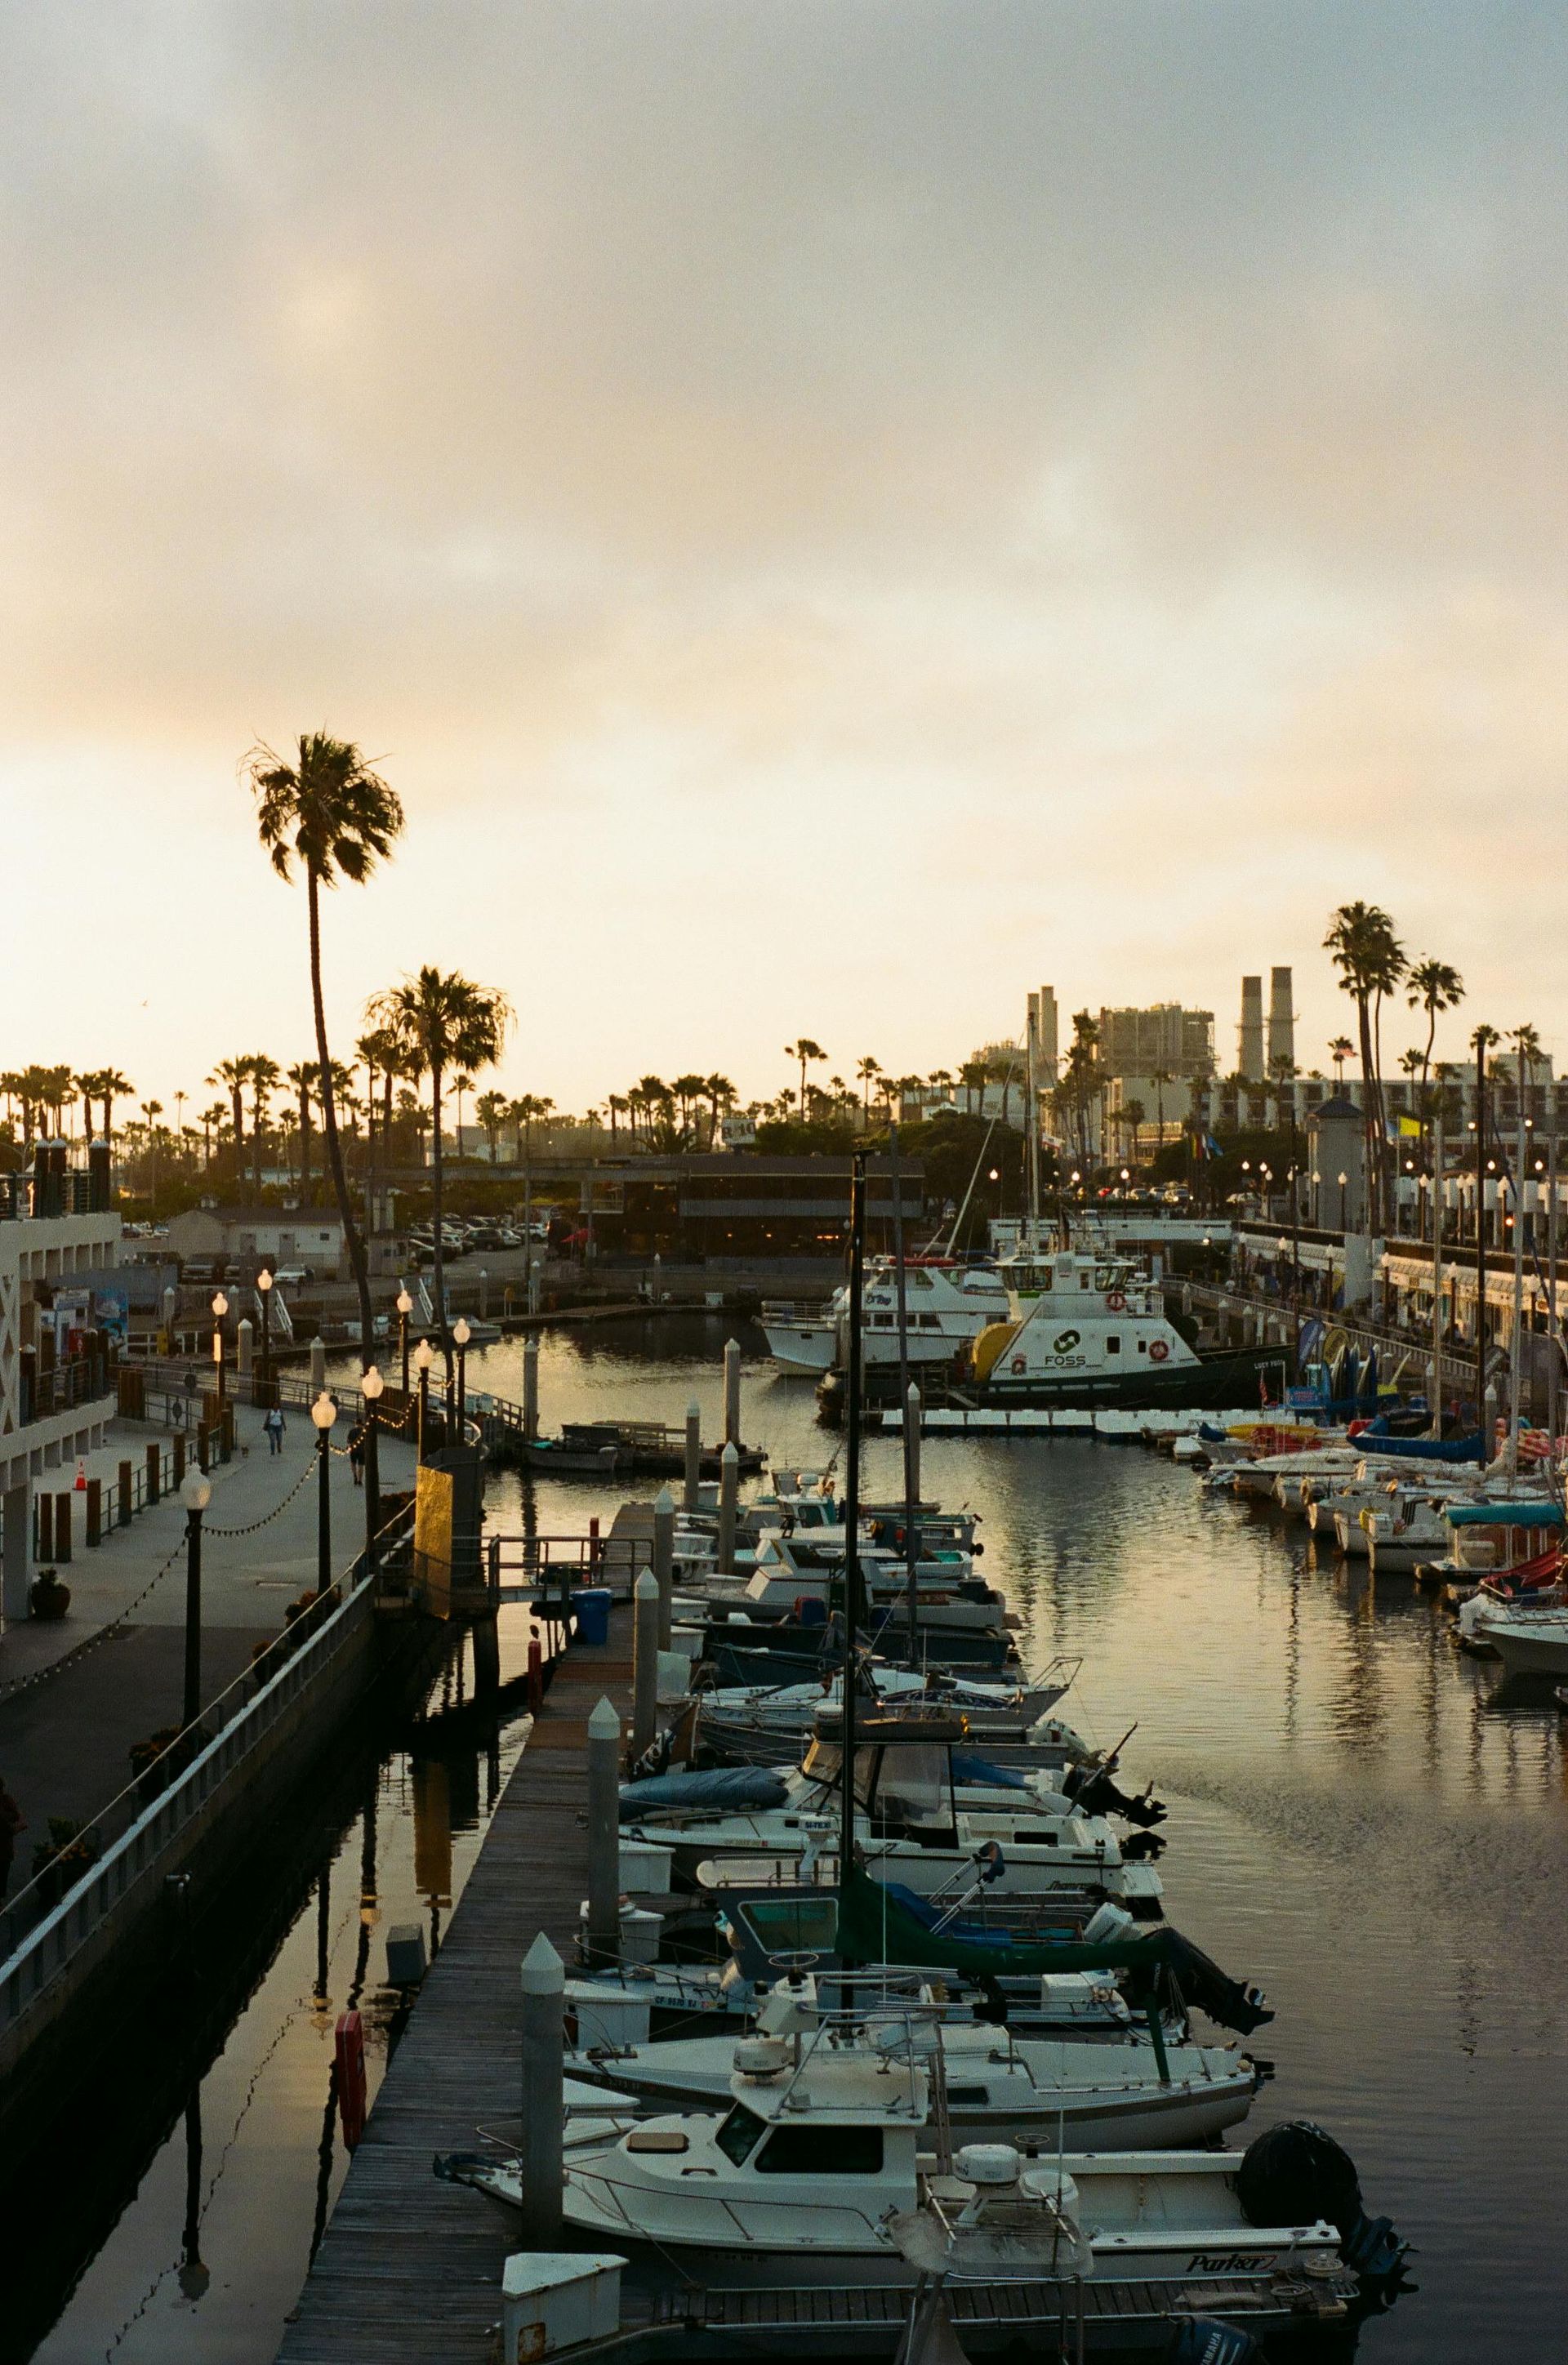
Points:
[44,1929]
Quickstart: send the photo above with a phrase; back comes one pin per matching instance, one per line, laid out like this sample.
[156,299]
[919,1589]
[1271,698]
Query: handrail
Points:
[36,1954]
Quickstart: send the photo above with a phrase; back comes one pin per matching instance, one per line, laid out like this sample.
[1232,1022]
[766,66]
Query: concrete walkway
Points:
[73,1713]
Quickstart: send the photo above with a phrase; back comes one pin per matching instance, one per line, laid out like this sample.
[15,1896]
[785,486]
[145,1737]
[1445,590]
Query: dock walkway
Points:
[409,2270]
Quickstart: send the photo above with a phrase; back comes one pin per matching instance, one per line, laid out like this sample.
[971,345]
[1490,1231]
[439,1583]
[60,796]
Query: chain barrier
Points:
[267,1517]
[104,1634]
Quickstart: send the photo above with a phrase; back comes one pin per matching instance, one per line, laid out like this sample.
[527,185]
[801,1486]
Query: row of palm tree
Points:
[35,1092]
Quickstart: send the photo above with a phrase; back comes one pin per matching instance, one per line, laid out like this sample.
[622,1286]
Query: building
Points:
[734,1207]
[1337,1164]
[1250,1035]
[56,1394]
[1165,1039]
[1281,1022]
[308,1238]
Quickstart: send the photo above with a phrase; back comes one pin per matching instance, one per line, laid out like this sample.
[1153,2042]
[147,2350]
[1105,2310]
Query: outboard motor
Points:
[1204,2341]
[1294,2173]
[1093,1790]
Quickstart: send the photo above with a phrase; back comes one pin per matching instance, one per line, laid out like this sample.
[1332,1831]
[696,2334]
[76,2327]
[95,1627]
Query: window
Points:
[737,2137]
[819,2151]
[1113,1345]
[929,1321]
[969,2098]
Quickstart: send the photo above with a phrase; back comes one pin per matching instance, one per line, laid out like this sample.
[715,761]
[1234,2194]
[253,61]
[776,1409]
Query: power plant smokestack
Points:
[1281,1022]
[1251,1062]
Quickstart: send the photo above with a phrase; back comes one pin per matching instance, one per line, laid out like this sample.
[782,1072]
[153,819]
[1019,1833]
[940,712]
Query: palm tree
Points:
[151,1111]
[90,1089]
[721,1094]
[210,1118]
[446,1022]
[265,1077]
[460,1084]
[1160,1078]
[804,1051]
[867,1069]
[1339,1050]
[303,1077]
[491,1109]
[1433,986]
[1371,961]
[1528,1047]
[338,817]
[233,1075]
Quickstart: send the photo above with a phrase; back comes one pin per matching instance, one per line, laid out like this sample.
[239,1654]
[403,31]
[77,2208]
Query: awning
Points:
[1504,1515]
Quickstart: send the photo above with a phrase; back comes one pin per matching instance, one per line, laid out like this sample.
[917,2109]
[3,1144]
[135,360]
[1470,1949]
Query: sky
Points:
[830,513]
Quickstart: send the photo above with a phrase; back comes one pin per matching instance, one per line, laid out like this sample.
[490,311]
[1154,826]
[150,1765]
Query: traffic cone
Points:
[81,1485]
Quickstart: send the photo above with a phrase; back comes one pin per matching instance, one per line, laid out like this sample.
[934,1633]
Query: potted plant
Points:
[60,1861]
[48,1598]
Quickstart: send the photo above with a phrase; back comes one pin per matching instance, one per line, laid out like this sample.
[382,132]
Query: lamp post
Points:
[405,1307]
[424,1356]
[196,1493]
[264,1292]
[371,1386]
[220,1309]
[323,1412]
[460,1334]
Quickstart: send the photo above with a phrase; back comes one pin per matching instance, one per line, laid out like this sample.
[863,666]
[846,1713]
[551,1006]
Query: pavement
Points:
[84,1689]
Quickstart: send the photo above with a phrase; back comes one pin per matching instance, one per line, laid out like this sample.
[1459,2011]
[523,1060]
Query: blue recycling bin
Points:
[591,1605]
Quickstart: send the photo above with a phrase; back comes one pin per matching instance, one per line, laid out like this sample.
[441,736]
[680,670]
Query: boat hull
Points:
[1526,1654]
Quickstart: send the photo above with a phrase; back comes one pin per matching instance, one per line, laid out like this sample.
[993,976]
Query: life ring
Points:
[1158,1351]
[1018,1364]
[1116,1302]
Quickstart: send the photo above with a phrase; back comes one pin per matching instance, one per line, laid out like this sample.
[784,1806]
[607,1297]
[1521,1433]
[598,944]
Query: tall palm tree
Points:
[1529,1046]
[1339,1050]
[1371,961]
[491,1108]
[303,1077]
[233,1076]
[448,1023]
[721,1094]
[91,1090]
[1432,986]
[460,1084]
[867,1069]
[331,812]
[804,1051]
[1160,1078]
[210,1118]
[265,1077]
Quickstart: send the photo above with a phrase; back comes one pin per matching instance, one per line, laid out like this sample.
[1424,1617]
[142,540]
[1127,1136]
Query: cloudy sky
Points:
[832,512]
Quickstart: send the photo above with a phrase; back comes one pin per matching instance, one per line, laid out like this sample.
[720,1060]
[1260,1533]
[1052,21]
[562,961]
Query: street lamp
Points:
[220,1309]
[323,1412]
[1344,1180]
[195,1493]
[460,1334]
[264,1292]
[405,1307]
[424,1356]
[370,1388]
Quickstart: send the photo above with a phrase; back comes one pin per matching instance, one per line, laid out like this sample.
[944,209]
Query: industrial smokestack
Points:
[1282,1021]
[1250,1061]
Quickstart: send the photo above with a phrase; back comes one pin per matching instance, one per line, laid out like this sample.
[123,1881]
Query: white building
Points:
[36,1437]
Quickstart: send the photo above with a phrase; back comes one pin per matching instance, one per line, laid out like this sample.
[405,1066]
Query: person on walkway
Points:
[273,1426]
[10,1825]
[356,1452]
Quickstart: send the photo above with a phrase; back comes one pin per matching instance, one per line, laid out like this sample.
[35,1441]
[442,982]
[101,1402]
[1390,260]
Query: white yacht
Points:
[947,1306]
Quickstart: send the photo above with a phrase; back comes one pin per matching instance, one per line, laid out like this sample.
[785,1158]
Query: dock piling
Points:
[647,1606]
[531,1388]
[317,1366]
[733,1392]
[911,1444]
[693,1456]
[544,2075]
[603,1838]
[729,1491]
[664,1562]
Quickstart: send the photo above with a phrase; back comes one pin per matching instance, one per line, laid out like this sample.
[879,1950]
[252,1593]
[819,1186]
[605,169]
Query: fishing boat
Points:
[1129,2095]
[947,1306]
[812,2177]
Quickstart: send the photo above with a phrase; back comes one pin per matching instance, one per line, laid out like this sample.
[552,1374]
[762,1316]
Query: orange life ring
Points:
[1018,1364]
[1116,1302]
[1158,1351]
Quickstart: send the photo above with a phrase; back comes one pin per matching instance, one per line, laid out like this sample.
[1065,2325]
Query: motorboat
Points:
[1529,1642]
[1127,2094]
[770,1724]
[947,1307]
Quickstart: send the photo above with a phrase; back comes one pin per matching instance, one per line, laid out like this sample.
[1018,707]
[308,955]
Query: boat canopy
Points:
[1505,1515]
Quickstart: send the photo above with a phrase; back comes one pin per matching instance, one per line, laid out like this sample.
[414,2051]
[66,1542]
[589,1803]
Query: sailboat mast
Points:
[911,1447]
[852,1506]
[1032,1086]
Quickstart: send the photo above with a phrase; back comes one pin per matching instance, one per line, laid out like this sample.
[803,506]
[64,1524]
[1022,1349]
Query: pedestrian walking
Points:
[273,1426]
[356,1452]
[10,1825]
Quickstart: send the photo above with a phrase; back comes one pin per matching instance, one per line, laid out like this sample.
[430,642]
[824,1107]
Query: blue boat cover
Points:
[1504,1515]
[742,1788]
[983,1774]
[1421,1449]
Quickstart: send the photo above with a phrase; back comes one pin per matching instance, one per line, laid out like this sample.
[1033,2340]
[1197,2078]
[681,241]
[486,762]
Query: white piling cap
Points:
[912,1393]
[694,1410]
[604,1724]
[732,1346]
[664,1504]
[544,1972]
[730,1453]
[647,1587]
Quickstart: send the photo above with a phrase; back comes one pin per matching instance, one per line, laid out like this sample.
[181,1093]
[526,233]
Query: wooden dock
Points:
[409,2270]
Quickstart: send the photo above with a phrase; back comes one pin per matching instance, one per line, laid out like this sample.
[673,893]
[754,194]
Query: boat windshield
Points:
[737,2137]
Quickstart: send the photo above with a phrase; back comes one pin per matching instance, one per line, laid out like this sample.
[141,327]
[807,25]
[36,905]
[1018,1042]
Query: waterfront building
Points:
[246,1238]
[56,1401]
[730,1208]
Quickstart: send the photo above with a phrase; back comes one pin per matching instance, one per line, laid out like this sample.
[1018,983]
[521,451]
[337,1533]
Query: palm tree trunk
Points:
[352,1239]
[1369,1096]
[437,1181]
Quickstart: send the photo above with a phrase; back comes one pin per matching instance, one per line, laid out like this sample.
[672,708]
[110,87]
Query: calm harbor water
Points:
[1366,1823]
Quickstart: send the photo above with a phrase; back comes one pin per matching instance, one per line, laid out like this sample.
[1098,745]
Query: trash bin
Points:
[590,1603]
